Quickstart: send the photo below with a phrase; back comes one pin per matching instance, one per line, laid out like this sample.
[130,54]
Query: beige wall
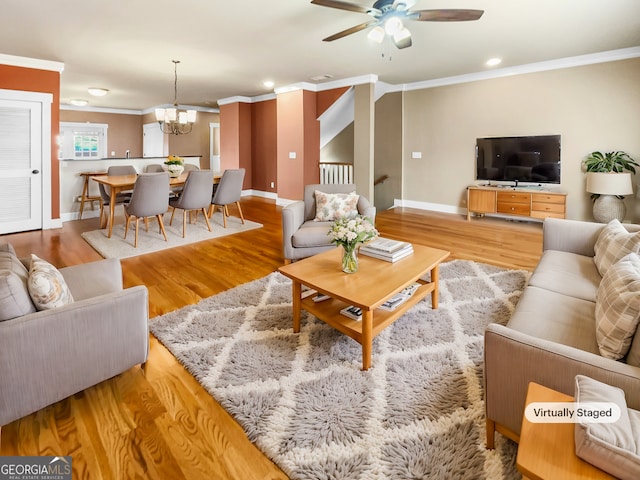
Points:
[388,150]
[595,107]
[124,132]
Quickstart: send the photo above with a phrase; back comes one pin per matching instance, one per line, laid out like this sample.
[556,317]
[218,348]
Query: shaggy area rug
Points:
[152,241]
[304,401]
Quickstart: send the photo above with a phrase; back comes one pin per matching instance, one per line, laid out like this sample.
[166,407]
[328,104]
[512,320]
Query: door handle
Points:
[35,172]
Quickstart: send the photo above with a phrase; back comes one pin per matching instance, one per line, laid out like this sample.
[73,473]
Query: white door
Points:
[214,146]
[21,155]
[154,142]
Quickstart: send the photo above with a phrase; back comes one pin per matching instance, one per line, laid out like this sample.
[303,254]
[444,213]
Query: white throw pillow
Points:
[331,206]
[613,243]
[618,307]
[47,286]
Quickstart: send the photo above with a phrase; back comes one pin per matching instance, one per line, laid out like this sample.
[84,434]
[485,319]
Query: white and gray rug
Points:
[152,241]
[302,398]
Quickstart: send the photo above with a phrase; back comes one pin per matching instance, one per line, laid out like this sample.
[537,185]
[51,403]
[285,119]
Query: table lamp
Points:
[609,187]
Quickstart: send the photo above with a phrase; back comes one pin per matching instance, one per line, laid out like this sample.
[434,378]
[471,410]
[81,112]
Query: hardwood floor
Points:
[161,424]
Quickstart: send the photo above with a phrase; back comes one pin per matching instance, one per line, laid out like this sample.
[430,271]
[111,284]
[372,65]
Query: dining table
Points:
[120,183]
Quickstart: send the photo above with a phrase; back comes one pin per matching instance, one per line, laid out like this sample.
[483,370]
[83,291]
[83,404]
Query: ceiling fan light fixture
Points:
[402,39]
[393,25]
[376,34]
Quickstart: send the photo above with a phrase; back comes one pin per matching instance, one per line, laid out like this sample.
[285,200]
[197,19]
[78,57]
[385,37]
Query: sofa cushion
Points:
[312,234]
[7,248]
[47,286]
[613,243]
[611,446]
[567,273]
[331,206]
[14,295]
[618,307]
[556,317]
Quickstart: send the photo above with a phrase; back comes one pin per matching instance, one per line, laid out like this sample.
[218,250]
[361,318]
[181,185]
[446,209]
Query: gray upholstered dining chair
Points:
[105,191]
[195,197]
[228,191]
[150,198]
[154,168]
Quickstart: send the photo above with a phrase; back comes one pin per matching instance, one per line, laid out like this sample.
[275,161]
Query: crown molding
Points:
[568,62]
[27,62]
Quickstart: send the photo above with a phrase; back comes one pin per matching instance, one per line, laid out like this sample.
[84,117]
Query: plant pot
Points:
[175,170]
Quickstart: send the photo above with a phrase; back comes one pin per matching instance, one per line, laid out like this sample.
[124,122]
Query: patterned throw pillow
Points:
[618,307]
[613,243]
[331,206]
[47,286]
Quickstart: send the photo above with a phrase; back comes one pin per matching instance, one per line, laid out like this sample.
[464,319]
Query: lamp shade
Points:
[604,183]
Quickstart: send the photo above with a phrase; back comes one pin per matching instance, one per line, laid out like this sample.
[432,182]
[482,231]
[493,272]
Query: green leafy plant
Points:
[174,160]
[616,162]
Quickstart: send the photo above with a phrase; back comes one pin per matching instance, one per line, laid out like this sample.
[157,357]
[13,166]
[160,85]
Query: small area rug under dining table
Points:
[303,399]
[152,241]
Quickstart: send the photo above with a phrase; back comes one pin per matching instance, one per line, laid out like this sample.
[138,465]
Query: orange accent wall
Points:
[311,139]
[327,98]
[236,139]
[42,81]
[290,139]
[264,127]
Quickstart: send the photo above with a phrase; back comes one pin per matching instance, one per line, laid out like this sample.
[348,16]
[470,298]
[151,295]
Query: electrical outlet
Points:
[273,185]
[292,155]
[416,154]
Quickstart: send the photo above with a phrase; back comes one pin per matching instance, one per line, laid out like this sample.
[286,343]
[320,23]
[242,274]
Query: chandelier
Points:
[173,121]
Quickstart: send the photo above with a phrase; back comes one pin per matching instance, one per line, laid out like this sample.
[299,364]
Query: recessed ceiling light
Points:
[268,84]
[97,92]
[320,78]
[78,102]
[492,62]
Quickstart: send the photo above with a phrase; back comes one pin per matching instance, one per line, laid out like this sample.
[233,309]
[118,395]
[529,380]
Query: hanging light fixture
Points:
[173,121]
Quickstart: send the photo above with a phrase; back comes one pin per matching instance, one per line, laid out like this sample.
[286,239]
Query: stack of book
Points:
[387,249]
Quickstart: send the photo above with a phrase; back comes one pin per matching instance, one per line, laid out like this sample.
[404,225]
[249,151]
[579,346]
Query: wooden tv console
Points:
[522,202]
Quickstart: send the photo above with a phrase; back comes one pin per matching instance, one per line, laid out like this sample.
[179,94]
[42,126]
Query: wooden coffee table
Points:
[375,282]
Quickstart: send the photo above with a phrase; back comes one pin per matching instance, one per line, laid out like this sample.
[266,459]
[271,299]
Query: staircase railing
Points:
[336,173]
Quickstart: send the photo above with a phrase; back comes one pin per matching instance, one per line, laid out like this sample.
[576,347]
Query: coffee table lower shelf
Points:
[329,312]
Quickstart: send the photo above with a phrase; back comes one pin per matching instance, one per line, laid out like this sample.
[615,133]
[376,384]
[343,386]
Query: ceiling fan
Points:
[389,15]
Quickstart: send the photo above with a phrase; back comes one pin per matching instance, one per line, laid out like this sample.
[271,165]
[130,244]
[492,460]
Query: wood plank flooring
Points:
[161,424]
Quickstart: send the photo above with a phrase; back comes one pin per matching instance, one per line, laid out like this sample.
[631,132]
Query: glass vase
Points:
[350,258]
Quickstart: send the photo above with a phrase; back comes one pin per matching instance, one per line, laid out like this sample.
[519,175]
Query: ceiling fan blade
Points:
[352,7]
[349,31]
[446,15]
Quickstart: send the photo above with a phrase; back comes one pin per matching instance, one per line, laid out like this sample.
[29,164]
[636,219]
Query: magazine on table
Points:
[385,245]
[399,298]
[352,312]
[389,257]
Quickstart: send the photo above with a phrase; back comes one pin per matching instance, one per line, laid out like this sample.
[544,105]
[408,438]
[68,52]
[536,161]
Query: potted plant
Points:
[175,165]
[608,180]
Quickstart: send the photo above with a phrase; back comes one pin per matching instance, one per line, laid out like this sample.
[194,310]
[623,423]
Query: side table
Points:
[547,450]
[85,197]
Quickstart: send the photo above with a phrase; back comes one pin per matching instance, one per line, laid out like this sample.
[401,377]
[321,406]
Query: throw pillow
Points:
[331,206]
[618,307]
[609,446]
[47,286]
[613,243]
[14,295]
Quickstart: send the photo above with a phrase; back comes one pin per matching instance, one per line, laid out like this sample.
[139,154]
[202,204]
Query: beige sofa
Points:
[551,336]
[48,355]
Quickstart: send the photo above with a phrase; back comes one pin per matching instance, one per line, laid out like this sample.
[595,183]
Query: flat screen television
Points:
[532,159]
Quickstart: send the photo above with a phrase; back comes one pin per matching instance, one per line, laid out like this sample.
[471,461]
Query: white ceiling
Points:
[229,48]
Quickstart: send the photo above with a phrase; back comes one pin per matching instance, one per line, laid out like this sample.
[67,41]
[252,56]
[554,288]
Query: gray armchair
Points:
[301,236]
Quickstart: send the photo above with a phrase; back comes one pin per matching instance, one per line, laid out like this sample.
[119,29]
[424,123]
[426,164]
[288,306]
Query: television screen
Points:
[533,159]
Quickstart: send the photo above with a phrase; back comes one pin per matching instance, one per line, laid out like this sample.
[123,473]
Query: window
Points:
[83,141]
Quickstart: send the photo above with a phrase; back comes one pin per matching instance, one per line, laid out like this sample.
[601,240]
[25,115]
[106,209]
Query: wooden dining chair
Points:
[150,198]
[195,197]
[228,191]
